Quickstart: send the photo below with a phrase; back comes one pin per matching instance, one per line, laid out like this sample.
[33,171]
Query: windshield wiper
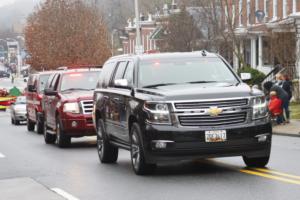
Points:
[71,89]
[194,82]
[158,85]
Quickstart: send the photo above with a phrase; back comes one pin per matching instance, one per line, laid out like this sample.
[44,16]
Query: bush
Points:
[257,76]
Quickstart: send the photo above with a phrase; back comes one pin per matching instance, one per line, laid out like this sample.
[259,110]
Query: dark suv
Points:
[179,106]
[68,104]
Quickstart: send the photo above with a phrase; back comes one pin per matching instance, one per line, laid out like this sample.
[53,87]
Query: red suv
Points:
[35,89]
[68,105]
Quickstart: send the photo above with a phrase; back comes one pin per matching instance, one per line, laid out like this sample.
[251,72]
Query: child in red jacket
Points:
[275,107]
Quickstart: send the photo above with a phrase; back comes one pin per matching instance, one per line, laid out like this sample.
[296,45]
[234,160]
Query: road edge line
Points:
[64,194]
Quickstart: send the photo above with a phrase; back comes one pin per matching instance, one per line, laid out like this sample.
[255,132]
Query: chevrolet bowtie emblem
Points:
[214,111]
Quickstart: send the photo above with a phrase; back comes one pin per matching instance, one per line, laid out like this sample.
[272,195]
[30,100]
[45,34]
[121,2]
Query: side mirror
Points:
[246,76]
[50,92]
[122,83]
[31,88]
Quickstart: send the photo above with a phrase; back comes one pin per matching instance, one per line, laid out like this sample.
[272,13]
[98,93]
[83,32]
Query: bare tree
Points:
[180,33]
[64,32]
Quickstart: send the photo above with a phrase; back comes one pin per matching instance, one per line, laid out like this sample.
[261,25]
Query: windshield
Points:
[43,80]
[80,81]
[184,71]
[21,100]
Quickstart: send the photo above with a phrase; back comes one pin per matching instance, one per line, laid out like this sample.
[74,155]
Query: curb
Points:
[286,134]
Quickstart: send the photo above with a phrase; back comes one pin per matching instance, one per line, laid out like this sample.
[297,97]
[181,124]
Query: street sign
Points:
[260,15]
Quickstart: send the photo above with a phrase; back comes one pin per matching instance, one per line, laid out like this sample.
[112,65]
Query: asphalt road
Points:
[77,171]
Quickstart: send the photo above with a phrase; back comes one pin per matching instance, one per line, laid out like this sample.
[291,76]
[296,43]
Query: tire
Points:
[17,122]
[49,138]
[62,140]
[107,153]
[256,162]
[138,160]
[12,121]
[30,125]
[39,126]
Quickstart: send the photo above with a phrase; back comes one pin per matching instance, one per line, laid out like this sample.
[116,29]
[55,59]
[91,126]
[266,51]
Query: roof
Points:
[193,54]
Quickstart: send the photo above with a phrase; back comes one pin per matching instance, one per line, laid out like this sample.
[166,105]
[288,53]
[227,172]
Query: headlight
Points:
[260,107]
[71,108]
[158,113]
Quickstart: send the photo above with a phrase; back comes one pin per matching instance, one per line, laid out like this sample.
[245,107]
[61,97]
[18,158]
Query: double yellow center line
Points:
[271,174]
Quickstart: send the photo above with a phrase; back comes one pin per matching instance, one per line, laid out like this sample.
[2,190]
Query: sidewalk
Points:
[25,189]
[291,129]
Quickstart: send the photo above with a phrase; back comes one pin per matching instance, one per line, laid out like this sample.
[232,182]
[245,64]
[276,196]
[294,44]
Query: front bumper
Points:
[20,116]
[78,125]
[189,144]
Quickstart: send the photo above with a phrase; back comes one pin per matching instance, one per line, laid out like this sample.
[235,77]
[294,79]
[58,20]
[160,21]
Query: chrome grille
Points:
[87,106]
[207,120]
[208,104]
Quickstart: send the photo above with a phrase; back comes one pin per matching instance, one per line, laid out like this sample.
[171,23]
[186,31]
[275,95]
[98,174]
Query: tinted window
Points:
[43,81]
[80,81]
[106,74]
[120,70]
[184,71]
[129,73]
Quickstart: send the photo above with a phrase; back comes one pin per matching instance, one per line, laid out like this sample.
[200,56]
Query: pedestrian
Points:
[280,92]
[12,78]
[275,107]
[279,79]
[287,85]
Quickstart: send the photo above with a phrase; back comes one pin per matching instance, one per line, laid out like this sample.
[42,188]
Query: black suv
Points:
[178,106]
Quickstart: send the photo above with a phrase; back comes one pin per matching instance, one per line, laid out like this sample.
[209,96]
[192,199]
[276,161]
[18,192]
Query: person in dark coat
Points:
[281,93]
[287,86]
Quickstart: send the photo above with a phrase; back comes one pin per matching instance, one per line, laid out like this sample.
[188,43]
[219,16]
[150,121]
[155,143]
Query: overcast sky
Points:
[5,2]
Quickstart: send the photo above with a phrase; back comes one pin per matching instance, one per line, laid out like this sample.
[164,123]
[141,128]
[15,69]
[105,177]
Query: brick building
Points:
[151,27]
[254,20]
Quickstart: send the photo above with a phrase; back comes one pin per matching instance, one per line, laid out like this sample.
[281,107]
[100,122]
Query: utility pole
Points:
[138,48]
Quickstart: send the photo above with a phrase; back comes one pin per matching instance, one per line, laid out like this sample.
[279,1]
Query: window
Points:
[129,76]
[53,83]
[43,82]
[184,71]
[120,71]
[106,74]
[80,80]
[266,7]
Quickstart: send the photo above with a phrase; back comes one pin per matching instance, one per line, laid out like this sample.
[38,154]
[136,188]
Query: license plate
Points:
[215,136]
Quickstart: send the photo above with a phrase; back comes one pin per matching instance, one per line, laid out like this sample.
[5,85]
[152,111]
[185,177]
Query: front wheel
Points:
[49,138]
[30,125]
[107,153]
[256,162]
[138,160]
[62,140]
[39,126]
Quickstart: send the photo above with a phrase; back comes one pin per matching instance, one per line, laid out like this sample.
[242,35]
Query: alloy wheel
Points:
[135,150]
[100,141]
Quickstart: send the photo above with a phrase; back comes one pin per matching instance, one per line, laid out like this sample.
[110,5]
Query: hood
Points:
[199,91]
[20,107]
[77,95]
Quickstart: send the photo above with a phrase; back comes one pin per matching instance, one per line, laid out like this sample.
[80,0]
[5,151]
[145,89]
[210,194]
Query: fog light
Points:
[74,124]
[161,144]
[262,138]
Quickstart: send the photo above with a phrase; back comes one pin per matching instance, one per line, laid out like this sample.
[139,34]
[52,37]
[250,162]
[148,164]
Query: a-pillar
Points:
[253,52]
[260,51]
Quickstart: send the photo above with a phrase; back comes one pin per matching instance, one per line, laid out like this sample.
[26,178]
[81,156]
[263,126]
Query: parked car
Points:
[4,74]
[68,104]
[178,106]
[35,89]
[18,110]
